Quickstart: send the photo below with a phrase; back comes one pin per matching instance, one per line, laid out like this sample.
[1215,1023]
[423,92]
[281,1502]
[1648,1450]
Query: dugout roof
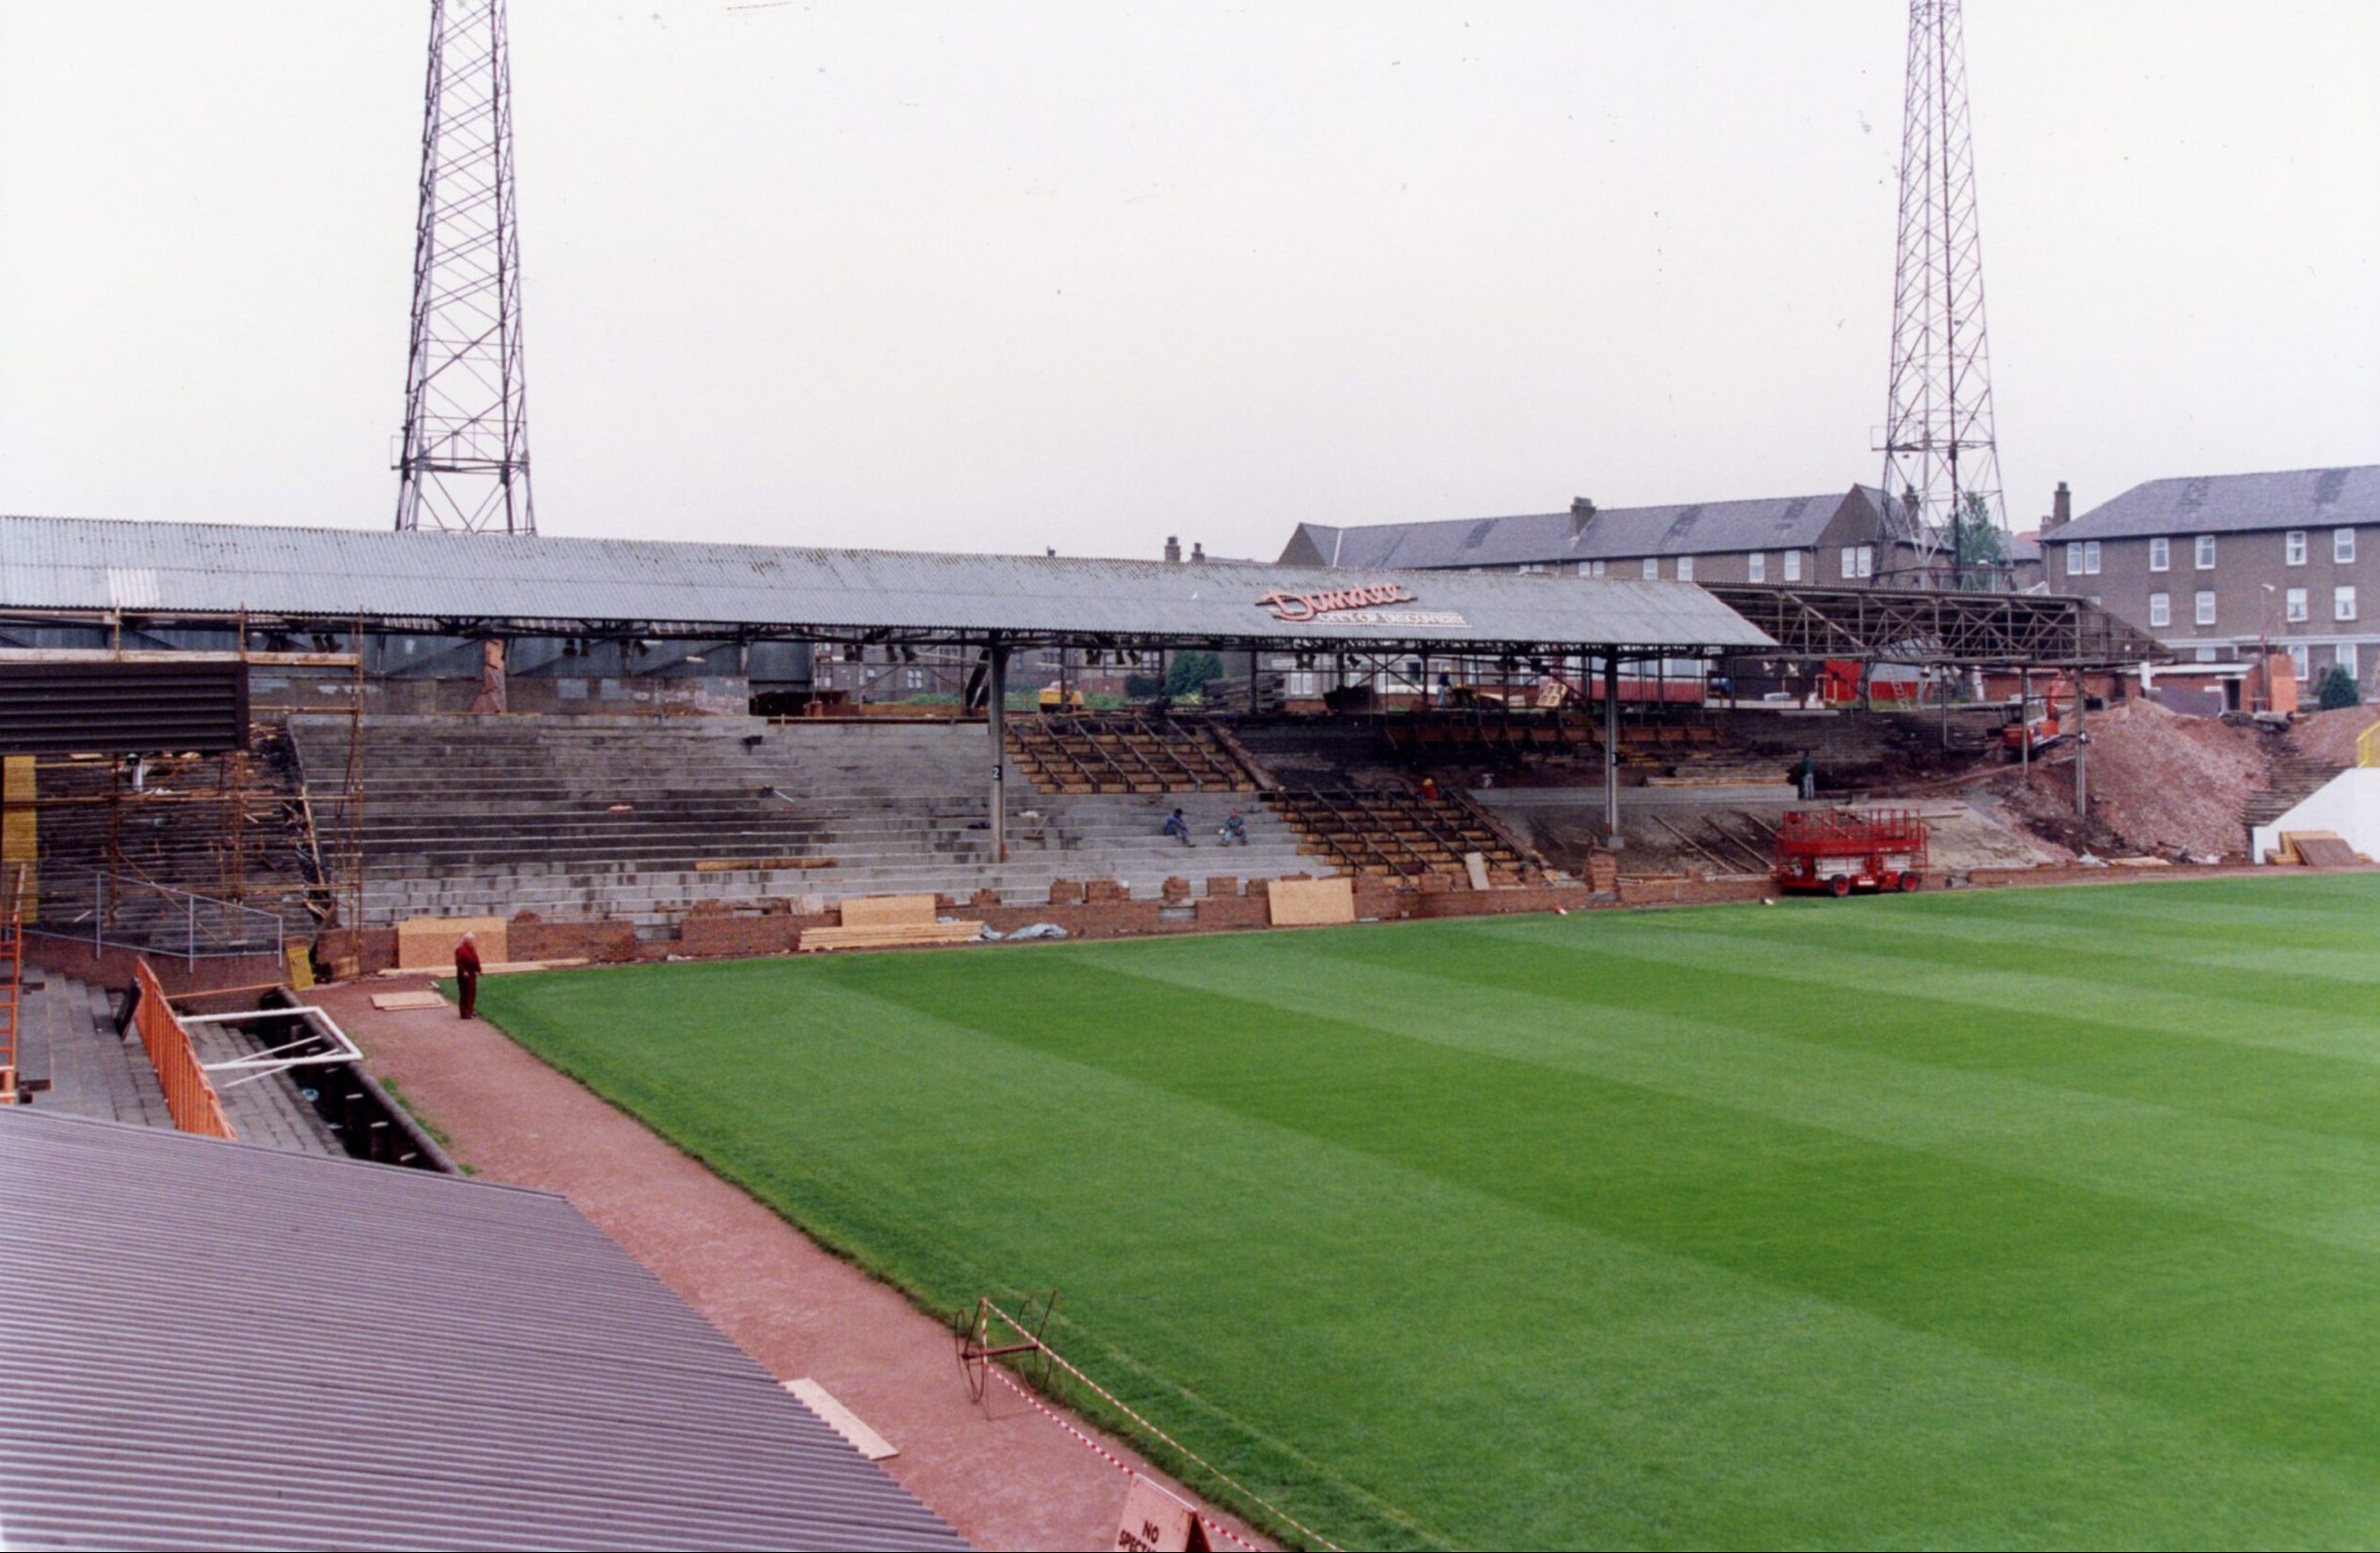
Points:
[214,1345]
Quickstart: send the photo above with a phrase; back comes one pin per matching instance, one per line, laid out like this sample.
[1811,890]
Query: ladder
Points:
[12,1090]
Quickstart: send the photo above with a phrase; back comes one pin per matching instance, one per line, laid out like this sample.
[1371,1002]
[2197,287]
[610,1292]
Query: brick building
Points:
[2213,565]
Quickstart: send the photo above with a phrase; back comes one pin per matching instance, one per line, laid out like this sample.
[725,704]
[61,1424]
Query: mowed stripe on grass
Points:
[2030,1217]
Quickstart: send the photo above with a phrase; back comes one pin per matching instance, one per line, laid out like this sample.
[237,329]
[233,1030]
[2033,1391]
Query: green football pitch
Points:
[2008,1217]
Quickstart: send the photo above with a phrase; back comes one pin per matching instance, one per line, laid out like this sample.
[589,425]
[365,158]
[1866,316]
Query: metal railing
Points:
[137,914]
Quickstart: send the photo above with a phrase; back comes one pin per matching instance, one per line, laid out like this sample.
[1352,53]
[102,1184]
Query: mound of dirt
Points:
[2329,737]
[2160,783]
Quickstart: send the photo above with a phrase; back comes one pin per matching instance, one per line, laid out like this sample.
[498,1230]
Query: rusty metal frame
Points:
[1937,626]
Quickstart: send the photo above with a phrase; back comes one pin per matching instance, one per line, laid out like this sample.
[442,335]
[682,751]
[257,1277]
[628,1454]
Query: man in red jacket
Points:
[467,973]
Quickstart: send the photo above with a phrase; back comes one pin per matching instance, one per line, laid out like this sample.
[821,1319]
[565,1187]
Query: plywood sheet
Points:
[818,1400]
[428,943]
[395,1002]
[886,911]
[1311,902]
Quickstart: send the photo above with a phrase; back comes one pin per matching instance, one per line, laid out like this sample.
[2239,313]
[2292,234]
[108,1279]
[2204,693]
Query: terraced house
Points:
[2213,565]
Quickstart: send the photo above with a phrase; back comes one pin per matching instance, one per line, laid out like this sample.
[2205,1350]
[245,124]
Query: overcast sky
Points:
[1000,277]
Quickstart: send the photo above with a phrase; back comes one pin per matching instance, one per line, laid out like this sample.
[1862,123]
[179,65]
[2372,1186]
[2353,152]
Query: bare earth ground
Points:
[2160,783]
[1005,1478]
[2329,737]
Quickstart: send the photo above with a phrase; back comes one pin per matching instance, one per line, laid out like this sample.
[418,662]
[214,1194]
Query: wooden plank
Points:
[392,1002]
[874,911]
[738,865]
[1311,902]
[840,1419]
[422,942]
[1475,865]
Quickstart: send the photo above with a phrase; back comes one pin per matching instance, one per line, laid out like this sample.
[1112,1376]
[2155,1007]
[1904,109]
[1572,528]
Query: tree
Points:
[2337,688]
[1189,672]
[1977,543]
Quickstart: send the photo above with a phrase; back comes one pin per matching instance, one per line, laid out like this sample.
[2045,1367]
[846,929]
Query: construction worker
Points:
[1806,774]
[1235,829]
[467,973]
[1179,827]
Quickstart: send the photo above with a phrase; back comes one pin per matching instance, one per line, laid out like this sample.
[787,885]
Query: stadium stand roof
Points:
[2234,503]
[1528,539]
[214,1345]
[455,583]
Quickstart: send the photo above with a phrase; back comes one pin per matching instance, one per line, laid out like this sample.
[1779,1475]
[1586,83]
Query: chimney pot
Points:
[2062,507]
[1173,548]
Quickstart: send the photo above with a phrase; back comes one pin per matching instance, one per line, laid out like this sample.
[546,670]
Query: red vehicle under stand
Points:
[1838,851]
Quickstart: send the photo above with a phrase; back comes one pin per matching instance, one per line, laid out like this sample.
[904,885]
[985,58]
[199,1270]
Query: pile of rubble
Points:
[2160,783]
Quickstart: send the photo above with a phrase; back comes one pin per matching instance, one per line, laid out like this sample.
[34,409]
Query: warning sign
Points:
[1158,1521]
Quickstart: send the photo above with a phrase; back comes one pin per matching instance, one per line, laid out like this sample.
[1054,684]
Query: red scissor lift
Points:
[1837,851]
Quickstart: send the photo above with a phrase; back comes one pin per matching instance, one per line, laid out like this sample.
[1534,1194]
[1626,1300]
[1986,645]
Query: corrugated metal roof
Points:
[1612,533]
[335,573]
[2233,504]
[212,1345]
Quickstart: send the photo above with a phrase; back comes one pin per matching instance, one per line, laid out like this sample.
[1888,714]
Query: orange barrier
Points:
[188,1096]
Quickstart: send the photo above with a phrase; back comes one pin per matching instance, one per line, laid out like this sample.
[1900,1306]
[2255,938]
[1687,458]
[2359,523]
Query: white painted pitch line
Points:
[867,1442]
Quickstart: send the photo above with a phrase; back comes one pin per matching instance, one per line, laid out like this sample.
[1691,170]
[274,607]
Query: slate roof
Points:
[1613,533]
[214,1345]
[2235,504]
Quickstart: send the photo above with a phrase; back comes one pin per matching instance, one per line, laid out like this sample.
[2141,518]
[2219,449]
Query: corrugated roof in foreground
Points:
[334,574]
[212,1345]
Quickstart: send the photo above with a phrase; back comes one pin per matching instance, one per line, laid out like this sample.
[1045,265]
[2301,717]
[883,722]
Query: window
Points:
[1867,560]
[2206,607]
[2091,558]
[2161,609]
[2160,555]
[2294,607]
[1756,566]
[1793,566]
[2300,663]
[2293,547]
[2343,604]
[2345,655]
[2206,552]
[1652,568]
[2082,557]
[1686,568]
[1590,568]
[2074,558]
[1532,570]
[2342,546]
[1851,560]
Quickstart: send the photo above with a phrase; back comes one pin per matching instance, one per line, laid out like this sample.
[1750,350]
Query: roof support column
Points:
[996,722]
[1612,748]
[2082,748]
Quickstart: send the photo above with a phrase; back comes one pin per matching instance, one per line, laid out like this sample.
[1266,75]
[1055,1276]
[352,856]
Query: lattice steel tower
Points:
[1937,438]
[465,462]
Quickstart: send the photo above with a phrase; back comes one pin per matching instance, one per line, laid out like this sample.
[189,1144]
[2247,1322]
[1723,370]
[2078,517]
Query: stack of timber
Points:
[890,923]
[2316,849]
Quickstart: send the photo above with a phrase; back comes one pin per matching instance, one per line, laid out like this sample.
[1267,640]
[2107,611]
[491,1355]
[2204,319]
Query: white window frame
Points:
[2345,656]
[1532,569]
[2161,554]
[2292,605]
[2203,606]
[2300,662]
[2206,552]
[1756,566]
[1652,568]
[2091,558]
[2161,609]
[1793,566]
[2342,546]
[2074,558]
[2343,602]
[2293,547]
[1867,561]
[1686,568]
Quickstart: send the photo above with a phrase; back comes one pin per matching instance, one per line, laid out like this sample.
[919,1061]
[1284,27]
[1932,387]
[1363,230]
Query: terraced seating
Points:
[1462,734]
[1075,754]
[1394,833]
[639,818]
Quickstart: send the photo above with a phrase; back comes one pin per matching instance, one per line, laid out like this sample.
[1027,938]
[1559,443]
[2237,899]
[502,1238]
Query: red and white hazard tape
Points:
[1124,1408]
[1119,1463]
